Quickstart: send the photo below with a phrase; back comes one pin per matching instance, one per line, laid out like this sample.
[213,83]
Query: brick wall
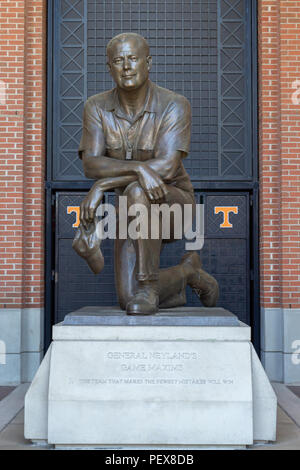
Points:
[279,140]
[22,154]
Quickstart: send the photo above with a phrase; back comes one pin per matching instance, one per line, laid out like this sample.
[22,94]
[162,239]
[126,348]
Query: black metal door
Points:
[225,254]
[203,49]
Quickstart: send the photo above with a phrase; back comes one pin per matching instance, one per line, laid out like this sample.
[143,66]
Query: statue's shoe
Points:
[203,284]
[144,302]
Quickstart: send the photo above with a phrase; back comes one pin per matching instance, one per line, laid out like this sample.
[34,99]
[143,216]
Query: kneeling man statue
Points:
[134,140]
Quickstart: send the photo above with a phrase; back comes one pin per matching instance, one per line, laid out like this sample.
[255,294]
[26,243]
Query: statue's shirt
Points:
[162,127]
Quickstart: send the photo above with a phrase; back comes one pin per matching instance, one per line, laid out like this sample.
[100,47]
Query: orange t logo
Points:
[226,211]
[75,209]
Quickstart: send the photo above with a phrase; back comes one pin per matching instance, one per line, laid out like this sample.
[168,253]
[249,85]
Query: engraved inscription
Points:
[123,363]
[151,356]
[145,381]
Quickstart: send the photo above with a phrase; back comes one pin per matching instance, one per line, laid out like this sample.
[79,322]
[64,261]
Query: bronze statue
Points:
[134,140]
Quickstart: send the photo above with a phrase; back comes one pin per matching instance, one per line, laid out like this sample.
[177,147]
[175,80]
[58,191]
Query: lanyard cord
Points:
[129,147]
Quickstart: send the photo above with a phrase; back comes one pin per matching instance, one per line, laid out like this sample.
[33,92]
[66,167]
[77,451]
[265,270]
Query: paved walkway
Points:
[288,424]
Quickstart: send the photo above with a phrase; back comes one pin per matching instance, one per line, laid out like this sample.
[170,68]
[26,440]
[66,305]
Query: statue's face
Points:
[128,64]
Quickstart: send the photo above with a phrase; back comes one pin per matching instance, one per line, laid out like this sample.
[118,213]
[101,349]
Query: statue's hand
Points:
[152,184]
[89,205]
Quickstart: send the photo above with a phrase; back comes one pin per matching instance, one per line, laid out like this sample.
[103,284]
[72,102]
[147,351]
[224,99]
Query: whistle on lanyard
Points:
[129,154]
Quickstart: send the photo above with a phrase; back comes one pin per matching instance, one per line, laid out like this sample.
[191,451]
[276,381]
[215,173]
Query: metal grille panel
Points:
[201,49]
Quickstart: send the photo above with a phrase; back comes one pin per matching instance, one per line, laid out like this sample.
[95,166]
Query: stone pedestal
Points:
[151,384]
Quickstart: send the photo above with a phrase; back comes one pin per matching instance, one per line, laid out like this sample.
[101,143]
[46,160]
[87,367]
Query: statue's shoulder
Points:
[165,98]
[101,100]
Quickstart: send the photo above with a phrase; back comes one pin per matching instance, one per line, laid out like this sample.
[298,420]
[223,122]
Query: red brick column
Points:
[279,147]
[22,156]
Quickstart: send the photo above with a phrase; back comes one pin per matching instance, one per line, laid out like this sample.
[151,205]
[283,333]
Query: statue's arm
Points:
[167,165]
[97,166]
[107,184]
[172,146]
[119,172]
[94,197]
[102,167]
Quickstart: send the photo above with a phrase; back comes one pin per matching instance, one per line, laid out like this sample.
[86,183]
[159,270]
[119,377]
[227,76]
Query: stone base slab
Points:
[150,386]
[179,316]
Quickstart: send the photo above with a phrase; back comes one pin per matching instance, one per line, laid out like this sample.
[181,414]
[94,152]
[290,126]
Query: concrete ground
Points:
[288,424]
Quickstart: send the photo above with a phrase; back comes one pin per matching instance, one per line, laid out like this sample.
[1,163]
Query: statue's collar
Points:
[113,103]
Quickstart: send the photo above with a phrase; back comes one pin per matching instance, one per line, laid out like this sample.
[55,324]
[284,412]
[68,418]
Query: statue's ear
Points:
[149,62]
[108,66]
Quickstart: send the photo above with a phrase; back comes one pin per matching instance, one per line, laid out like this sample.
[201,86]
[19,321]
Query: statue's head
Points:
[128,60]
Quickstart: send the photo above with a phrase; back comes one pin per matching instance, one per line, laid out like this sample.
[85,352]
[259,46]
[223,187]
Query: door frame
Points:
[250,186]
